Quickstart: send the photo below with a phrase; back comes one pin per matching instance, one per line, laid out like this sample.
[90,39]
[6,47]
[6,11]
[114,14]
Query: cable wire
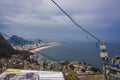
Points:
[75,23]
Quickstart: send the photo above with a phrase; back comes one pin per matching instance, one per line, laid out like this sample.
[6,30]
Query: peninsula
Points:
[36,46]
[44,47]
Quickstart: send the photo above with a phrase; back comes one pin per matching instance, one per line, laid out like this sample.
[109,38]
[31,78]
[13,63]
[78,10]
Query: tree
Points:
[71,75]
[95,69]
[71,67]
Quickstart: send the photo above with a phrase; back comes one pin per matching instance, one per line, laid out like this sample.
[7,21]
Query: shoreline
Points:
[43,47]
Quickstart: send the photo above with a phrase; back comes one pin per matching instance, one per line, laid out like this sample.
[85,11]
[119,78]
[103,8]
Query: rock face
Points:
[6,49]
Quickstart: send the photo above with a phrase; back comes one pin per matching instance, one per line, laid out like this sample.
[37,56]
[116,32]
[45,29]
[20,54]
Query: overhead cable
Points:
[75,23]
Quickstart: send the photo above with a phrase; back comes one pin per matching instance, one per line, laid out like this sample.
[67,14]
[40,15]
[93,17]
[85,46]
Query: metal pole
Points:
[104,70]
[103,55]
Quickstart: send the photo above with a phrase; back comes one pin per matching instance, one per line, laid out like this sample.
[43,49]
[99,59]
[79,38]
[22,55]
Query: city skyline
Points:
[33,19]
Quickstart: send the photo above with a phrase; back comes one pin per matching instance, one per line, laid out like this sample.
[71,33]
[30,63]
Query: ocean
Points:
[81,51]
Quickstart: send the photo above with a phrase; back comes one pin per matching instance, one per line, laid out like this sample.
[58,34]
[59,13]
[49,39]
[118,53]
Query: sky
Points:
[41,19]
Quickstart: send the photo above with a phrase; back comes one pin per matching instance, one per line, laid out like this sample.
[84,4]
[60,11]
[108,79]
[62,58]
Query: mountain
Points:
[15,40]
[6,49]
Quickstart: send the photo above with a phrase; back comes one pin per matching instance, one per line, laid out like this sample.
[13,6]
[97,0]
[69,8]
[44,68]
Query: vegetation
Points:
[71,67]
[95,69]
[5,48]
[70,75]
[109,77]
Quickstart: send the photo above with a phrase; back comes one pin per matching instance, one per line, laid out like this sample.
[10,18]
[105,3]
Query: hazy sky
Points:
[33,19]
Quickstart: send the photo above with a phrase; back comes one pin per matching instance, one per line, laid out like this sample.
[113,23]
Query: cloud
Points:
[45,16]
[40,12]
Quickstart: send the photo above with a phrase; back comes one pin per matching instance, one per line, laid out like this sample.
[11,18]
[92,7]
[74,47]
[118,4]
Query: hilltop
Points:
[16,40]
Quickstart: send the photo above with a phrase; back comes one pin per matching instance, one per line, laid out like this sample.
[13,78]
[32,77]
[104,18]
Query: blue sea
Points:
[81,51]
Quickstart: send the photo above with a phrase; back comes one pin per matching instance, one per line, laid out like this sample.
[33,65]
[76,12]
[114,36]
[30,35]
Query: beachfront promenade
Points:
[36,46]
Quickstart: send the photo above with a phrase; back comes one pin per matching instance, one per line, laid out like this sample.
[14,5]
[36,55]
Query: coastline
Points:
[43,47]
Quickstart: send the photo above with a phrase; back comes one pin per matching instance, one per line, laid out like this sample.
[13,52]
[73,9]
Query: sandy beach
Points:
[44,47]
